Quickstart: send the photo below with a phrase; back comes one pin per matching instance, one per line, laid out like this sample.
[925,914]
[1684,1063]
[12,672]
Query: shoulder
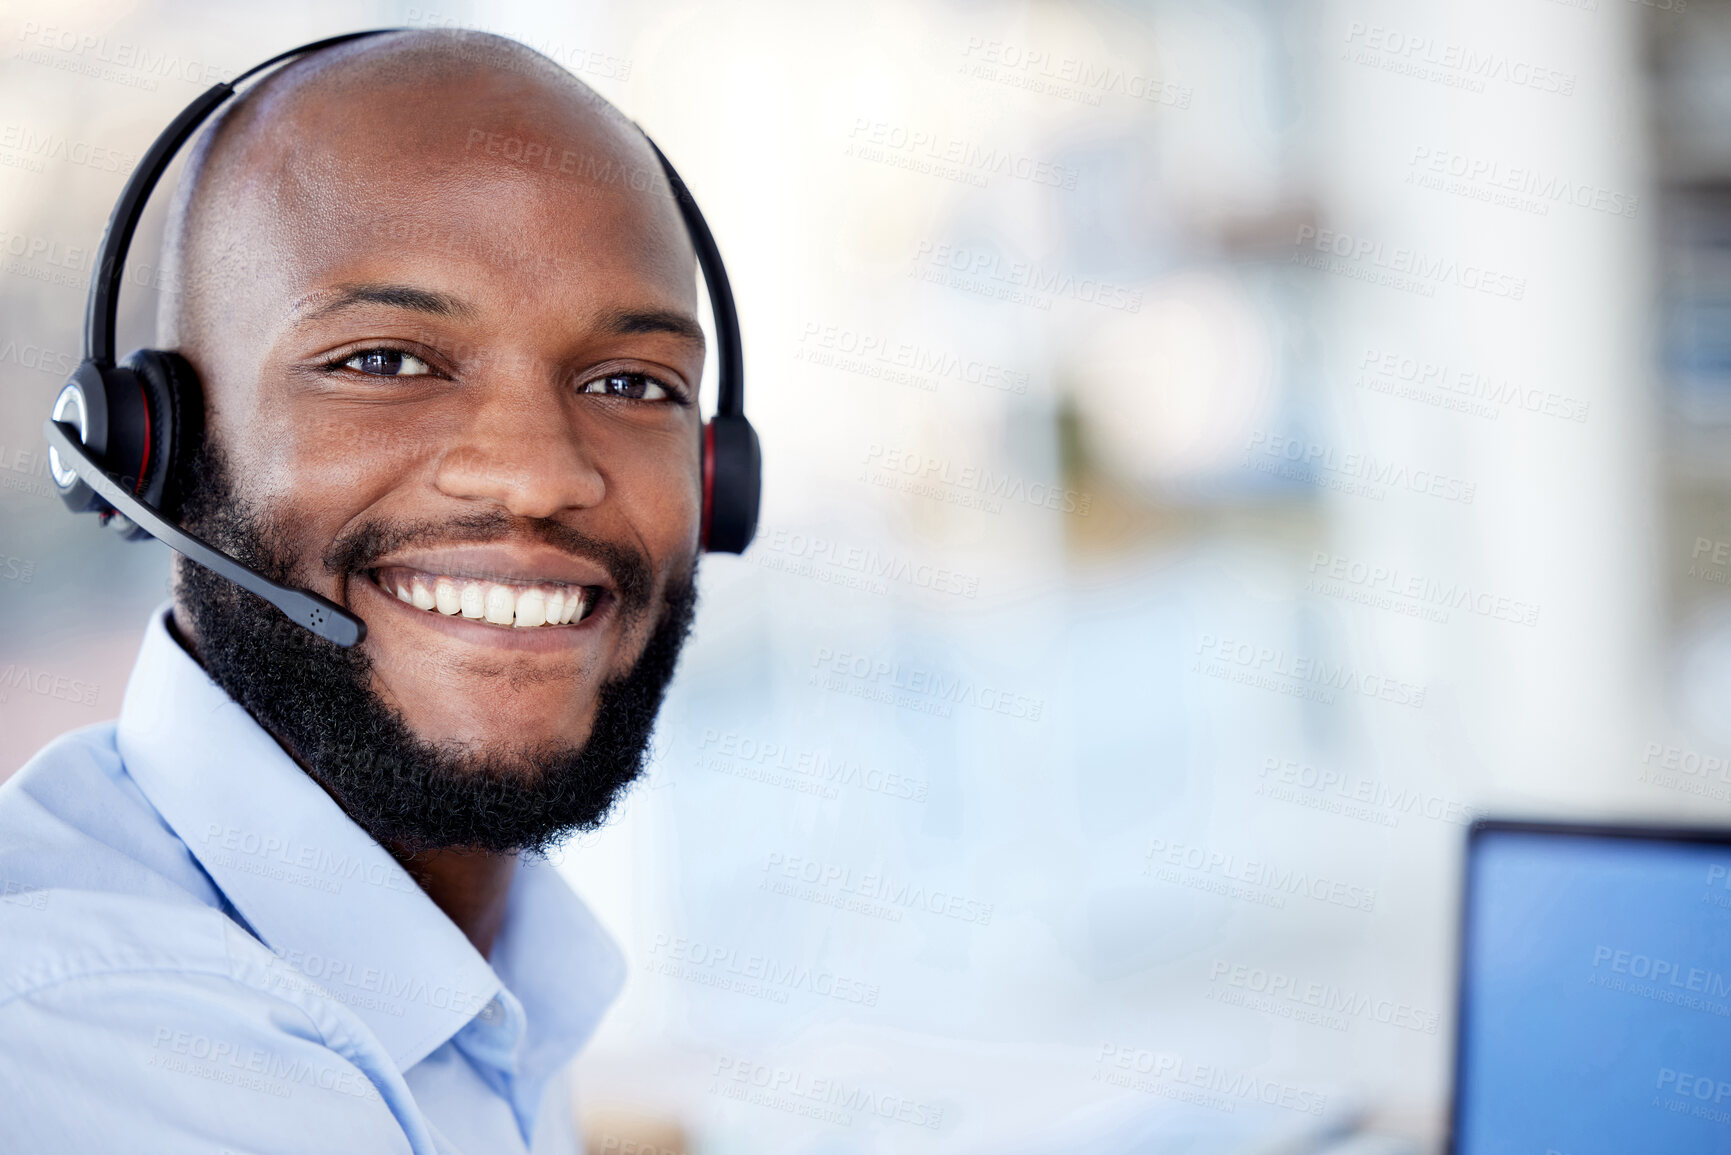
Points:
[123,1017]
[72,818]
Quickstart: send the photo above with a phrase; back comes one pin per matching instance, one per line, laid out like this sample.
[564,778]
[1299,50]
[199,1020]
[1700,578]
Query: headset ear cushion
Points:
[176,401]
[733,476]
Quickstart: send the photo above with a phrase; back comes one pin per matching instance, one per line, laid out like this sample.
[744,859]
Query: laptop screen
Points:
[1595,1012]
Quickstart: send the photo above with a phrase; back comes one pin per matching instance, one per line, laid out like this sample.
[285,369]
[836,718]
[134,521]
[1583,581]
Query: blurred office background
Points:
[1214,450]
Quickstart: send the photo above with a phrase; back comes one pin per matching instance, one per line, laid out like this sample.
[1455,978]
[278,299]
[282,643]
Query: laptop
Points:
[1594,1014]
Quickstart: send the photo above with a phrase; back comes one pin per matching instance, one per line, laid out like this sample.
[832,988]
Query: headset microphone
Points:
[121,435]
[318,614]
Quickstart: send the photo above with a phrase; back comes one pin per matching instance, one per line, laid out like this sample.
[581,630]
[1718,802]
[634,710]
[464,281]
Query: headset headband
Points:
[99,313]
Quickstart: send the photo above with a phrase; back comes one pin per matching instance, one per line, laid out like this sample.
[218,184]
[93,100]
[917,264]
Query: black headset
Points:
[121,435]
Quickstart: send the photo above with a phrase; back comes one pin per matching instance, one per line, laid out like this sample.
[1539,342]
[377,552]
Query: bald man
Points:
[442,306]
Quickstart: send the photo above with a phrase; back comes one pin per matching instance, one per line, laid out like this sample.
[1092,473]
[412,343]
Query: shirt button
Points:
[492,1012]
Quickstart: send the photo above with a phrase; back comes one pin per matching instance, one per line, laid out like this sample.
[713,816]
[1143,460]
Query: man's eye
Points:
[636,386]
[388,363]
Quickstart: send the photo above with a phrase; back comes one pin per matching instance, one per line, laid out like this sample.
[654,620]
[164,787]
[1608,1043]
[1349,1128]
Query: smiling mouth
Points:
[518,604]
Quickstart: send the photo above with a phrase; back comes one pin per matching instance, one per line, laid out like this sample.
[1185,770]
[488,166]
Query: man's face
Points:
[447,336]
[461,368]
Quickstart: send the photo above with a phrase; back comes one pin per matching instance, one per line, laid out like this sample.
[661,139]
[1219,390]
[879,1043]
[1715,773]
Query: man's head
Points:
[443,309]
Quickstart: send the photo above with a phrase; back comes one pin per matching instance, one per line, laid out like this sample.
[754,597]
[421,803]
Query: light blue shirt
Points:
[200,952]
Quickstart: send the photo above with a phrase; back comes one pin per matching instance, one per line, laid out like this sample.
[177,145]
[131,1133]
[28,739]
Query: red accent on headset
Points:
[144,465]
[708,481]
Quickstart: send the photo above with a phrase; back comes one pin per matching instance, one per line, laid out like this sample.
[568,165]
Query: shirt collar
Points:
[331,903]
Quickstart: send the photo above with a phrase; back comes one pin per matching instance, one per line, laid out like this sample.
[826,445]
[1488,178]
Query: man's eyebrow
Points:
[396,296]
[631,321]
[623,322]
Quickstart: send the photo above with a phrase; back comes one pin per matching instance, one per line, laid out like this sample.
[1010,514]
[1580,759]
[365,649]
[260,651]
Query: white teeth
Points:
[519,605]
[473,600]
[501,605]
[531,608]
[446,598]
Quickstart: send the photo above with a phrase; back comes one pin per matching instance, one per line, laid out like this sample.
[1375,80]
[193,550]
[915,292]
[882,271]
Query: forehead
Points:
[521,198]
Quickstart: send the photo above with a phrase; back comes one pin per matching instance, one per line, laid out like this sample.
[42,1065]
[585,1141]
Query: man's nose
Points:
[523,452]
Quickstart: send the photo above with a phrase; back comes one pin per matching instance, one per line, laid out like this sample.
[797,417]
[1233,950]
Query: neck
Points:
[469,886]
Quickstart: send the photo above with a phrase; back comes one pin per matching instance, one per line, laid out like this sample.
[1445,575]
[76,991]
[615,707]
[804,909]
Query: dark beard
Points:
[317,699]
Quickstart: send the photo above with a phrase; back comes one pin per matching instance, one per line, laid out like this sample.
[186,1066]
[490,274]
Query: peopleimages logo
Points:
[1316,679]
[1399,267]
[25,470]
[873,887]
[1717,873]
[1442,62]
[900,362]
[817,556]
[816,771]
[45,146]
[1023,282]
[923,690]
[367,987]
[1465,390]
[298,860]
[1389,587]
[15,676]
[1686,770]
[43,259]
[758,975]
[103,58]
[830,1099]
[1694,1086]
[928,475]
[1121,1066]
[1694,1094]
[1283,996]
[252,1068]
[1358,474]
[1266,880]
[1368,799]
[574,57]
[936,154]
[1518,186]
[1669,972]
[54,362]
[1066,77]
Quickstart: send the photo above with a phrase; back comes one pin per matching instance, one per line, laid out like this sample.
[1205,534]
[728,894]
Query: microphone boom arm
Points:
[302,607]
